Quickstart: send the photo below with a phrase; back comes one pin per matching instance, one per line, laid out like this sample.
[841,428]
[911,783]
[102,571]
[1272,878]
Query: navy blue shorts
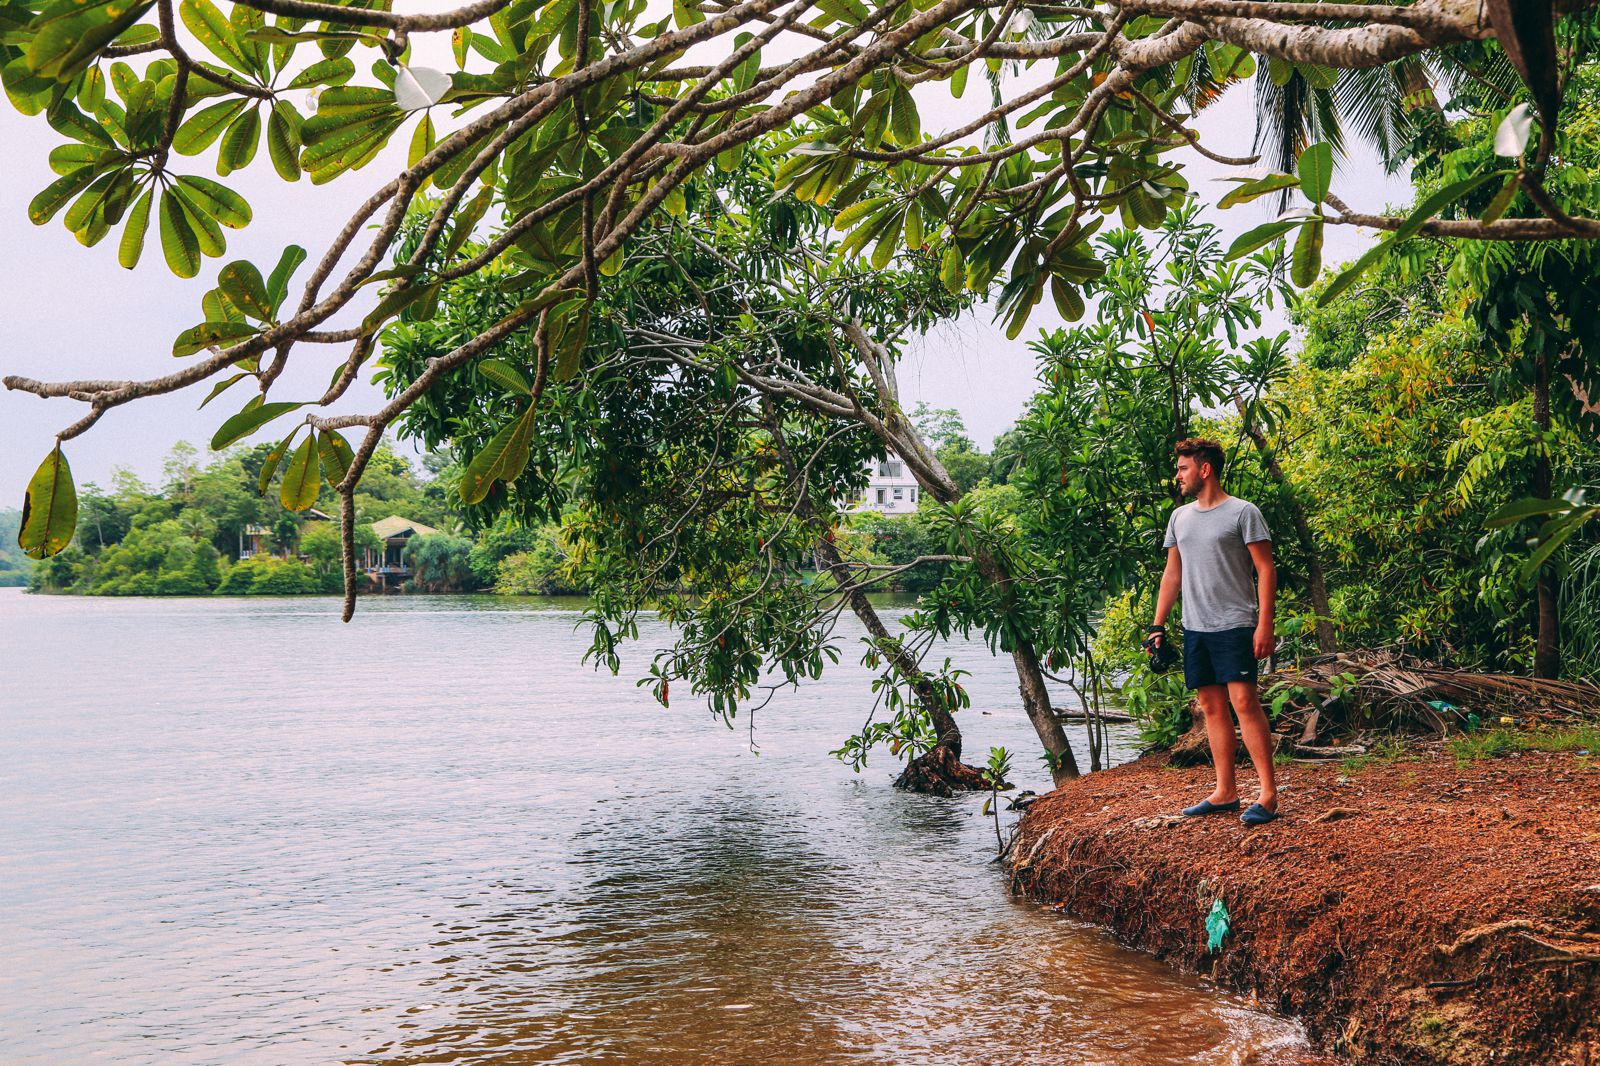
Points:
[1220,657]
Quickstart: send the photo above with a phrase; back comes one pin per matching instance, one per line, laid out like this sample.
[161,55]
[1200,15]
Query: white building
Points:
[890,487]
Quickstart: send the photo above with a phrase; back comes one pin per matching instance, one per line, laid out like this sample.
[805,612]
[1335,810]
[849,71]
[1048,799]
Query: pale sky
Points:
[72,312]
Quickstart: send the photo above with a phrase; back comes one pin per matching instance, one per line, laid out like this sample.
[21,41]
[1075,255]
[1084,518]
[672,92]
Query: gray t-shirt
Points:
[1219,589]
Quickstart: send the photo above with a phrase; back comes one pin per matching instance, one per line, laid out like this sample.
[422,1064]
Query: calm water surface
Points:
[237,831]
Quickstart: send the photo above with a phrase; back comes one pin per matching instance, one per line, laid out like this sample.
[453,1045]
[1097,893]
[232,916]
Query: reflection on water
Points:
[237,831]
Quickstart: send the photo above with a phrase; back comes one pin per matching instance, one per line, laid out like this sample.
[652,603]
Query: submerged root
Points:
[940,772]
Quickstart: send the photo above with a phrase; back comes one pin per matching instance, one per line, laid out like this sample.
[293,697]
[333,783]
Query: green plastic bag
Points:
[1217,925]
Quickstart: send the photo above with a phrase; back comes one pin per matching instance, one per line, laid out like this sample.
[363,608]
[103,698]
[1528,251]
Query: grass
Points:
[1387,750]
[1495,743]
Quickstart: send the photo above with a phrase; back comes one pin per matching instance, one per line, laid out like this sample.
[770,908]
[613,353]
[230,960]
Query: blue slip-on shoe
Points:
[1207,807]
[1255,814]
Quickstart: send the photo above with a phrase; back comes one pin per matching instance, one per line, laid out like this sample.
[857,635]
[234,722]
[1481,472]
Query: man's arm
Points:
[1171,582]
[1266,596]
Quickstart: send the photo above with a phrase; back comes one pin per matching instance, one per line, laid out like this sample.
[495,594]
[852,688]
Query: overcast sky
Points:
[72,312]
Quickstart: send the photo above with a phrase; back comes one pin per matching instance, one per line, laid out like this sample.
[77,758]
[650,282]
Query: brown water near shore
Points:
[237,831]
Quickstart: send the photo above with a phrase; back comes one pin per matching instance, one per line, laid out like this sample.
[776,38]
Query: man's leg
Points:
[1213,701]
[1257,734]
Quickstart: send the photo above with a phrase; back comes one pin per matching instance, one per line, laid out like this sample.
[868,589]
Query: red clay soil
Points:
[1408,912]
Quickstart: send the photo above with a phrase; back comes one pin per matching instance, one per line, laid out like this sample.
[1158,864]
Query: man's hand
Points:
[1265,641]
[1160,652]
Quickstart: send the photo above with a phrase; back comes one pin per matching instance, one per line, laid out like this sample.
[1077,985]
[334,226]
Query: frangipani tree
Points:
[577,122]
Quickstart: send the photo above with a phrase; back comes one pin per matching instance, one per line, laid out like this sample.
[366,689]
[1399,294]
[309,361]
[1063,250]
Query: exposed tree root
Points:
[940,772]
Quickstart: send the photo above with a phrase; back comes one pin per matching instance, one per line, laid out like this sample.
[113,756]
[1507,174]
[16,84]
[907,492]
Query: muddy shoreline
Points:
[1415,911]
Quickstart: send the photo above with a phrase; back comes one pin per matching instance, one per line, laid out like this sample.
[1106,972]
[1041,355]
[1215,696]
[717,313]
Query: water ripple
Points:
[239,831]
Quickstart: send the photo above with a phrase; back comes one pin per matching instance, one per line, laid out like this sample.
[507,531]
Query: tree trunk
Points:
[1326,642]
[896,433]
[1547,647]
[934,480]
[940,770]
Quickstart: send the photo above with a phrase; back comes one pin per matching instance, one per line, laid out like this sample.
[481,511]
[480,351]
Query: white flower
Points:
[1512,136]
[418,87]
[1020,23]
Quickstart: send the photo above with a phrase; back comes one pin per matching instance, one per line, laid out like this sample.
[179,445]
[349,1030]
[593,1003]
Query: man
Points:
[1212,546]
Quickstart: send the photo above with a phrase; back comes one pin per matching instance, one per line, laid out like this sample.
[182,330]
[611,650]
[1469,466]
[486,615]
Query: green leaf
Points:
[422,140]
[334,71]
[395,302]
[78,214]
[66,158]
[277,36]
[302,480]
[207,233]
[255,414]
[56,195]
[239,143]
[66,119]
[283,142]
[336,457]
[211,27]
[1517,510]
[1351,273]
[50,508]
[1502,199]
[349,146]
[206,334]
[201,129]
[66,43]
[1316,171]
[903,118]
[179,243]
[1307,261]
[568,334]
[685,14]
[1434,204]
[216,200]
[480,474]
[1251,190]
[1552,535]
[221,387]
[1068,300]
[846,11]
[502,459]
[278,280]
[132,244]
[137,35]
[241,282]
[274,458]
[1260,237]
[503,373]
[856,211]
[952,269]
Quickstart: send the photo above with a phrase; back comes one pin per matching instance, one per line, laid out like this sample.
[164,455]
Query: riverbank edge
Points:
[1418,911]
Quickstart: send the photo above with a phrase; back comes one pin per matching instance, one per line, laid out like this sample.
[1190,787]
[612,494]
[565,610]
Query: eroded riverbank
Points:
[1418,911]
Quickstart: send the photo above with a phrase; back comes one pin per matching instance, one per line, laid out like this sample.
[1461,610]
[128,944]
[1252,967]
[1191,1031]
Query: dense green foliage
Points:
[186,537]
[14,566]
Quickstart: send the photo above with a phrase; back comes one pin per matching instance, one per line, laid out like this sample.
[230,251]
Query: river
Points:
[238,831]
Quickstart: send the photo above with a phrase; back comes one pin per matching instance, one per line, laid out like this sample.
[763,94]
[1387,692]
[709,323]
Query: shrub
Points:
[541,571]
